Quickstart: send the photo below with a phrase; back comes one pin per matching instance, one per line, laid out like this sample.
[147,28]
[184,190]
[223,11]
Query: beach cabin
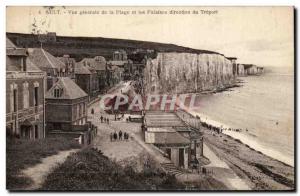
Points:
[178,140]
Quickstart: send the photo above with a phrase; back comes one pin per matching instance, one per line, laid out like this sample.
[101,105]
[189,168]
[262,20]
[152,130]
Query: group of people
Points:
[119,136]
[219,129]
[117,117]
[103,119]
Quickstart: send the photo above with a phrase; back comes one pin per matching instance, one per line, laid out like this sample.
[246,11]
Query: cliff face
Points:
[186,72]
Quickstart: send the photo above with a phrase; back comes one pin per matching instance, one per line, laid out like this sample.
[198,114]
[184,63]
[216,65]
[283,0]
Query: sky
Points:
[260,35]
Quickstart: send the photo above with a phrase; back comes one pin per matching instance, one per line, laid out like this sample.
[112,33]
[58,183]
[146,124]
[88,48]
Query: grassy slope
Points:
[80,47]
[90,170]
[21,154]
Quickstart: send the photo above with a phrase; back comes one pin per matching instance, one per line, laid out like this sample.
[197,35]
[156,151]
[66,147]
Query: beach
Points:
[262,107]
[258,171]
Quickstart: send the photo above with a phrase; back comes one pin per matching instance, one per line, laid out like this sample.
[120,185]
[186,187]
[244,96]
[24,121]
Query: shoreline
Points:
[246,140]
[238,134]
[258,166]
[259,171]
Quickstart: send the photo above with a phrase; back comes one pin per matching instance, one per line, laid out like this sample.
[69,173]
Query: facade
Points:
[86,79]
[119,55]
[24,95]
[181,142]
[117,74]
[69,63]
[66,106]
[126,68]
[98,65]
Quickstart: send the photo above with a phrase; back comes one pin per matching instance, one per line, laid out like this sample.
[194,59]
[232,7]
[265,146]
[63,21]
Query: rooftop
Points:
[117,63]
[163,119]
[43,59]
[66,59]
[70,90]
[80,69]
[9,44]
[16,52]
[97,63]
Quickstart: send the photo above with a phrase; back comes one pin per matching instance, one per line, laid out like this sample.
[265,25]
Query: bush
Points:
[89,169]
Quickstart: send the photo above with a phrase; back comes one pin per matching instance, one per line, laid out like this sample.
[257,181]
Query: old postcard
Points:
[150,98]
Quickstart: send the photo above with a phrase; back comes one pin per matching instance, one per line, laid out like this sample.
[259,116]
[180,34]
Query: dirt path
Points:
[38,172]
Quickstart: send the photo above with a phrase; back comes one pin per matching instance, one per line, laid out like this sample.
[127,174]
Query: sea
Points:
[262,107]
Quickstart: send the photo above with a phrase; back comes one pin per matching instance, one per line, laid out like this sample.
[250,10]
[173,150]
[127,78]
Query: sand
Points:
[259,171]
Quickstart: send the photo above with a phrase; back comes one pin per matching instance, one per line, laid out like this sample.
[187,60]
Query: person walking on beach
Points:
[111,137]
[101,118]
[107,120]
[120,135]
[126,136]
[115,136]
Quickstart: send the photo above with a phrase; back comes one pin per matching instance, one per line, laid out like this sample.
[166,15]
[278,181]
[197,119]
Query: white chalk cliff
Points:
[187,72]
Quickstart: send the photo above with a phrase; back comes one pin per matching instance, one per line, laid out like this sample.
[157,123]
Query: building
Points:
[24,95]
[138,62]
[125,65]
[86,79]
[98,64]
[180,142]
[53,67]
[117,71]
[66,106]
[70,65]
[119,55]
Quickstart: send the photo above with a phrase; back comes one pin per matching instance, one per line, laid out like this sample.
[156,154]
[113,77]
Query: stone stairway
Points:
[171,169]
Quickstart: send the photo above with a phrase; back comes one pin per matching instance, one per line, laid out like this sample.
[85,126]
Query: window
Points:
[57,92]
[24,66]
[75,112]
[78,114]
[15,100]
[25,95]
[36,96]
[80,110]
[57,126]
[83,109]
[36,131]
[13,97]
